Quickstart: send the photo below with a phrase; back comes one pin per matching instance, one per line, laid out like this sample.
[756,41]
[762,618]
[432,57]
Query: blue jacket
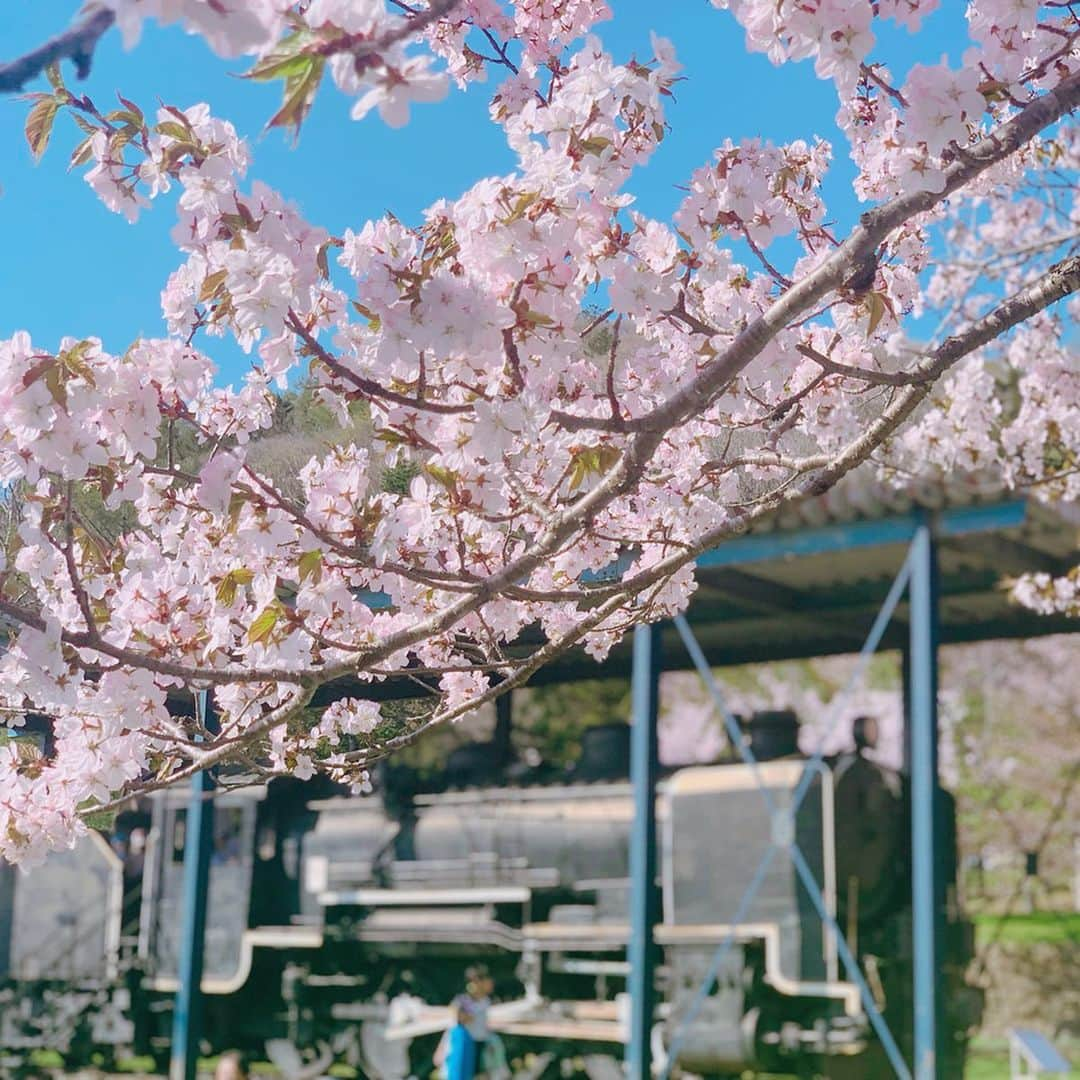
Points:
[460,1054]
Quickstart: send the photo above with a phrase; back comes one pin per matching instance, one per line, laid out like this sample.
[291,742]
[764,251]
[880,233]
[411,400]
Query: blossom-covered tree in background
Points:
[736,378]
[1008,746]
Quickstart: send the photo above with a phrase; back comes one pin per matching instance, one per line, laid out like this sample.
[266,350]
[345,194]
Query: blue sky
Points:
[72,267]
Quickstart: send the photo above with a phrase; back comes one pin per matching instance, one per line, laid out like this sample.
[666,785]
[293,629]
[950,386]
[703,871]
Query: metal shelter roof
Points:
[809,581]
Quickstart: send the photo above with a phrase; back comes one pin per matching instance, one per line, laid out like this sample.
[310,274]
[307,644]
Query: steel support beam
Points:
[198,843]
[645,694]
[928,885]
[905,685]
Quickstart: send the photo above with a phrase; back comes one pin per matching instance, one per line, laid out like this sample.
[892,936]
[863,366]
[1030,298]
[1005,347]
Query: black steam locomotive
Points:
[343,925]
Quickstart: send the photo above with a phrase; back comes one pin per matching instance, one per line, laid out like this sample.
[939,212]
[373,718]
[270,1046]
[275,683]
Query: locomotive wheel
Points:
[379,1057]
[603,1067]
[79,1049]
[536,1066]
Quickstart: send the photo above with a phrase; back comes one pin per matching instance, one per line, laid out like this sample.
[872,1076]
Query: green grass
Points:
[991,1062]
[1040,926]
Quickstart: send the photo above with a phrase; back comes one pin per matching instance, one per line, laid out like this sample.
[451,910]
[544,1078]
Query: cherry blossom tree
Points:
[737,378]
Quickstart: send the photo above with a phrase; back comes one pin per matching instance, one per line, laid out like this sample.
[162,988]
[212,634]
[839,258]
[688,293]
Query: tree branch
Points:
[75,44]
[867,375]
[1058,282]
[874,227]
[368,387]
[91,640]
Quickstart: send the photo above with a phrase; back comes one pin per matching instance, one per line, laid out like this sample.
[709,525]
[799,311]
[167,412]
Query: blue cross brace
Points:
[783,838]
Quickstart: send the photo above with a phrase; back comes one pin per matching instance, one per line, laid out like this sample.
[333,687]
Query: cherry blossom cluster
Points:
[364,45]
[569,384]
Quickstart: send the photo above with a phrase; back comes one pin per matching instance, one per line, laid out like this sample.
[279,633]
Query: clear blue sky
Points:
[72,267]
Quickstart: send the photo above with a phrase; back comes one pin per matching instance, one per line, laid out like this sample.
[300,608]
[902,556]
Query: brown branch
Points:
[218,752]
[1060,281]
[574,422]
[417,21]
[131,658]
[368,387]
[513,359]
[613,401]
[782,408]
[73,571]
[75,44]
[878,378]
[869,72]
[874,227]
[697,325]
[601,318]
[782,280]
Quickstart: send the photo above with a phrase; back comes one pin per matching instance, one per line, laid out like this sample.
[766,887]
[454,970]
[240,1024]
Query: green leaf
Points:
[39,125]
[300,90]
[52,73]
[446,477]
[54,380]
[184,122]
[74,361]
[879,304]
[126,116]
[173,130]
[525,200]
[391,437]
[373,319]
[310,566]
[591,461]
[283,59]
[133,109]
[537,319]
[578,472]
[107,480]
[264,623]
[212,283]
[226,590]
[236,504]
[83,124]
[277,66]
[82,153]
[121,137]
[101,820]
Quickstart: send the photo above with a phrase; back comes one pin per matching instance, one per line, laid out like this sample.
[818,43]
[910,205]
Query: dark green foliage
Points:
[552,719]
[397,478]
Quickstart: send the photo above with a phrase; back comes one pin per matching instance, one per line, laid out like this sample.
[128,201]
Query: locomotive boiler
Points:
[346,923]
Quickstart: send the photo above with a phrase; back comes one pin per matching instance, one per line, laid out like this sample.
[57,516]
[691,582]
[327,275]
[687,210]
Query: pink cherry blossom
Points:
[555,380]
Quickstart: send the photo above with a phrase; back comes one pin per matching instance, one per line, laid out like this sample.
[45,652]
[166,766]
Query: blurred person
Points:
[231,1066]
[475,1003]
[460,1061]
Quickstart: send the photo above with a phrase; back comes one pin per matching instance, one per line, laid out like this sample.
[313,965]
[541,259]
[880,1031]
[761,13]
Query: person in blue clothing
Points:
[461,1049]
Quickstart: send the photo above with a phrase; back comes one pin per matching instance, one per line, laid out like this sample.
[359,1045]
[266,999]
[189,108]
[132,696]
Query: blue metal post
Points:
[643,896]
[198,842]
[927,883]
[905,682]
